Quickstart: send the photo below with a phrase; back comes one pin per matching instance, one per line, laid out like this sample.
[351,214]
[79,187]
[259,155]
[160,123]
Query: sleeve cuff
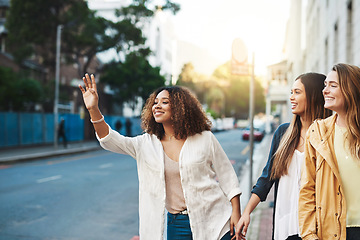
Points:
[233,193]
[106,138]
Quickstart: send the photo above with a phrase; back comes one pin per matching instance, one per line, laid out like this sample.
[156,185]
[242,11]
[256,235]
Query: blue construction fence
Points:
[26,129]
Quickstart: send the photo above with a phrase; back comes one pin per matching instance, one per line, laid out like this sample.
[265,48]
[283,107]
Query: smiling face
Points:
[334,98]
[161,109]
[298,98]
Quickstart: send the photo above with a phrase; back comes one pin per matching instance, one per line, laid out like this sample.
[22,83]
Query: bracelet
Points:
[97,121]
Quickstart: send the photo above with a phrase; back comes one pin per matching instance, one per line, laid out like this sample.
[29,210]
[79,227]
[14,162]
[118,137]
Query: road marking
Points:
[42,180]
[245,150]
[107,165]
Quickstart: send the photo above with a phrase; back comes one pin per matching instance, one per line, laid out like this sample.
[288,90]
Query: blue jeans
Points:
[178,228]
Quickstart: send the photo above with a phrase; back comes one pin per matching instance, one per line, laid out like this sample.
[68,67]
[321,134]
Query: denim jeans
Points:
[178,228]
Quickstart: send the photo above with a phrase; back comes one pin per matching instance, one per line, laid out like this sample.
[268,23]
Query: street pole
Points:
[57,77]
[251,117]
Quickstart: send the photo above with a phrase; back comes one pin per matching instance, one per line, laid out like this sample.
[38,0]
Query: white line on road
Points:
[107,165]
[245,150]
[42,180]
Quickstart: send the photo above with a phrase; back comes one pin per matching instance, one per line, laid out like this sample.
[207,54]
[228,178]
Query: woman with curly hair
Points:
[181,166]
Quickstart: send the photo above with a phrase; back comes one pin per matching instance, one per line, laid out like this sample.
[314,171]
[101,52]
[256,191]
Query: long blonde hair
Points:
[349,82]
[313,84]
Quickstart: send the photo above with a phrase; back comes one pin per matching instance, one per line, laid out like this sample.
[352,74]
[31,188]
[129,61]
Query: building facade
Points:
[319,34]
[328,33]
[277,95]
[4,6]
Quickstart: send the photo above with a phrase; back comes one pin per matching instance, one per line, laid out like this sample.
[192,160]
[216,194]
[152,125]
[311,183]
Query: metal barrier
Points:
[26,129]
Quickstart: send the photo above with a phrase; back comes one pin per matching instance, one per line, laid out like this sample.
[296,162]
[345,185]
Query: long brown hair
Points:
[314,109]
[349,82]
[187,115]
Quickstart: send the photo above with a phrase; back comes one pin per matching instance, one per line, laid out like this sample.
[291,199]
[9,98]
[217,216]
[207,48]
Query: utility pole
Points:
[240,66]
[251,117]
[57,77]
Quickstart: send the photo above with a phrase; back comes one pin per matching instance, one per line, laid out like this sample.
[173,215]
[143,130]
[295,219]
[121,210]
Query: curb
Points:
[51,153]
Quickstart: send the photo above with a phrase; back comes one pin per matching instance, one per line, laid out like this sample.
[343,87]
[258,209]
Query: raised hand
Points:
[90,95]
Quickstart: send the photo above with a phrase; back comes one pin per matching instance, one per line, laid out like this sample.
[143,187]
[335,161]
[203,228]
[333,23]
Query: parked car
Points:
[258,134]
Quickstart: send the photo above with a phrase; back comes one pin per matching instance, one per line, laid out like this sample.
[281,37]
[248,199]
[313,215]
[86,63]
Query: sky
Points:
[213,25]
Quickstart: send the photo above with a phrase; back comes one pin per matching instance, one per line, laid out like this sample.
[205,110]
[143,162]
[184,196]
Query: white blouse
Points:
[287,201]
[208,179]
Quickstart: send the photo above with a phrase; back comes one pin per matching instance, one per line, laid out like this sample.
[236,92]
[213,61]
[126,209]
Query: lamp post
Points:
[240,66]
[57,77]
[251,117]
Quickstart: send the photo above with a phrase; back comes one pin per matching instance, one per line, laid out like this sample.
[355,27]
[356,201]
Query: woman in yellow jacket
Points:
[329,202]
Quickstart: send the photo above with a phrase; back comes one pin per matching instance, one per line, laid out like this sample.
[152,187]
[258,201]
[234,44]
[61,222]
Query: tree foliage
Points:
[236,90]
[187,76]
[223,93]
[198,83]
[32,27]
[32,32]
[133,78]
[16,93]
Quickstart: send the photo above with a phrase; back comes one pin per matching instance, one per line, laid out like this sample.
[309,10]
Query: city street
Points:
[81,196]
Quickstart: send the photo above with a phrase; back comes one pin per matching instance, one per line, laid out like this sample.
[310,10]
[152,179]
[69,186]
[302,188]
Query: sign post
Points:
[240,66]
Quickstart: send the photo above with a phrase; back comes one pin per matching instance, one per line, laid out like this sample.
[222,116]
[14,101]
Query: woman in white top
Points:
[285,160]
[181,166]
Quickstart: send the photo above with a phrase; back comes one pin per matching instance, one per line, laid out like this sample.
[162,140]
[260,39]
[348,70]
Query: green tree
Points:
[236,89]
[32,27]
[187,76]
[16,93]
[198,83]
[7,78]
[133,78]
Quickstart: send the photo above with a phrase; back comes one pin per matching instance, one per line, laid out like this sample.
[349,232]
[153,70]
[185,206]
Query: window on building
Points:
[326,54]
[336,43]
[349,33]
[2,12]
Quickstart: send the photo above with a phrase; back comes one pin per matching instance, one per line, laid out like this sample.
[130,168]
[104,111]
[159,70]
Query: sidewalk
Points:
[12,155]
[260,227]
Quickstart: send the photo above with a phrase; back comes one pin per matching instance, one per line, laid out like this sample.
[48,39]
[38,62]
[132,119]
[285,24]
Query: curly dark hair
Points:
[187,115]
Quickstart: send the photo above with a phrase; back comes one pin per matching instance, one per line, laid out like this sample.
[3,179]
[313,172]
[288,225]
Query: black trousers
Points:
[352,233]
[294,237]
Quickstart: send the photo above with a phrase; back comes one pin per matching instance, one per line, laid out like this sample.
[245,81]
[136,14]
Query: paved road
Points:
[84,196]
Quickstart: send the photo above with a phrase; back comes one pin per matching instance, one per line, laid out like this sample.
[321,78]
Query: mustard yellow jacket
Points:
[322,205]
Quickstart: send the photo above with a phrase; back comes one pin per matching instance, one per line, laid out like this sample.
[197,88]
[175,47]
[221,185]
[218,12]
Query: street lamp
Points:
[57,76]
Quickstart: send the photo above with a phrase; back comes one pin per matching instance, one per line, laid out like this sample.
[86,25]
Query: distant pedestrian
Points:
[128,125]
[329,204]
[181,167]
[118,126]
[61,132]
[285,159]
